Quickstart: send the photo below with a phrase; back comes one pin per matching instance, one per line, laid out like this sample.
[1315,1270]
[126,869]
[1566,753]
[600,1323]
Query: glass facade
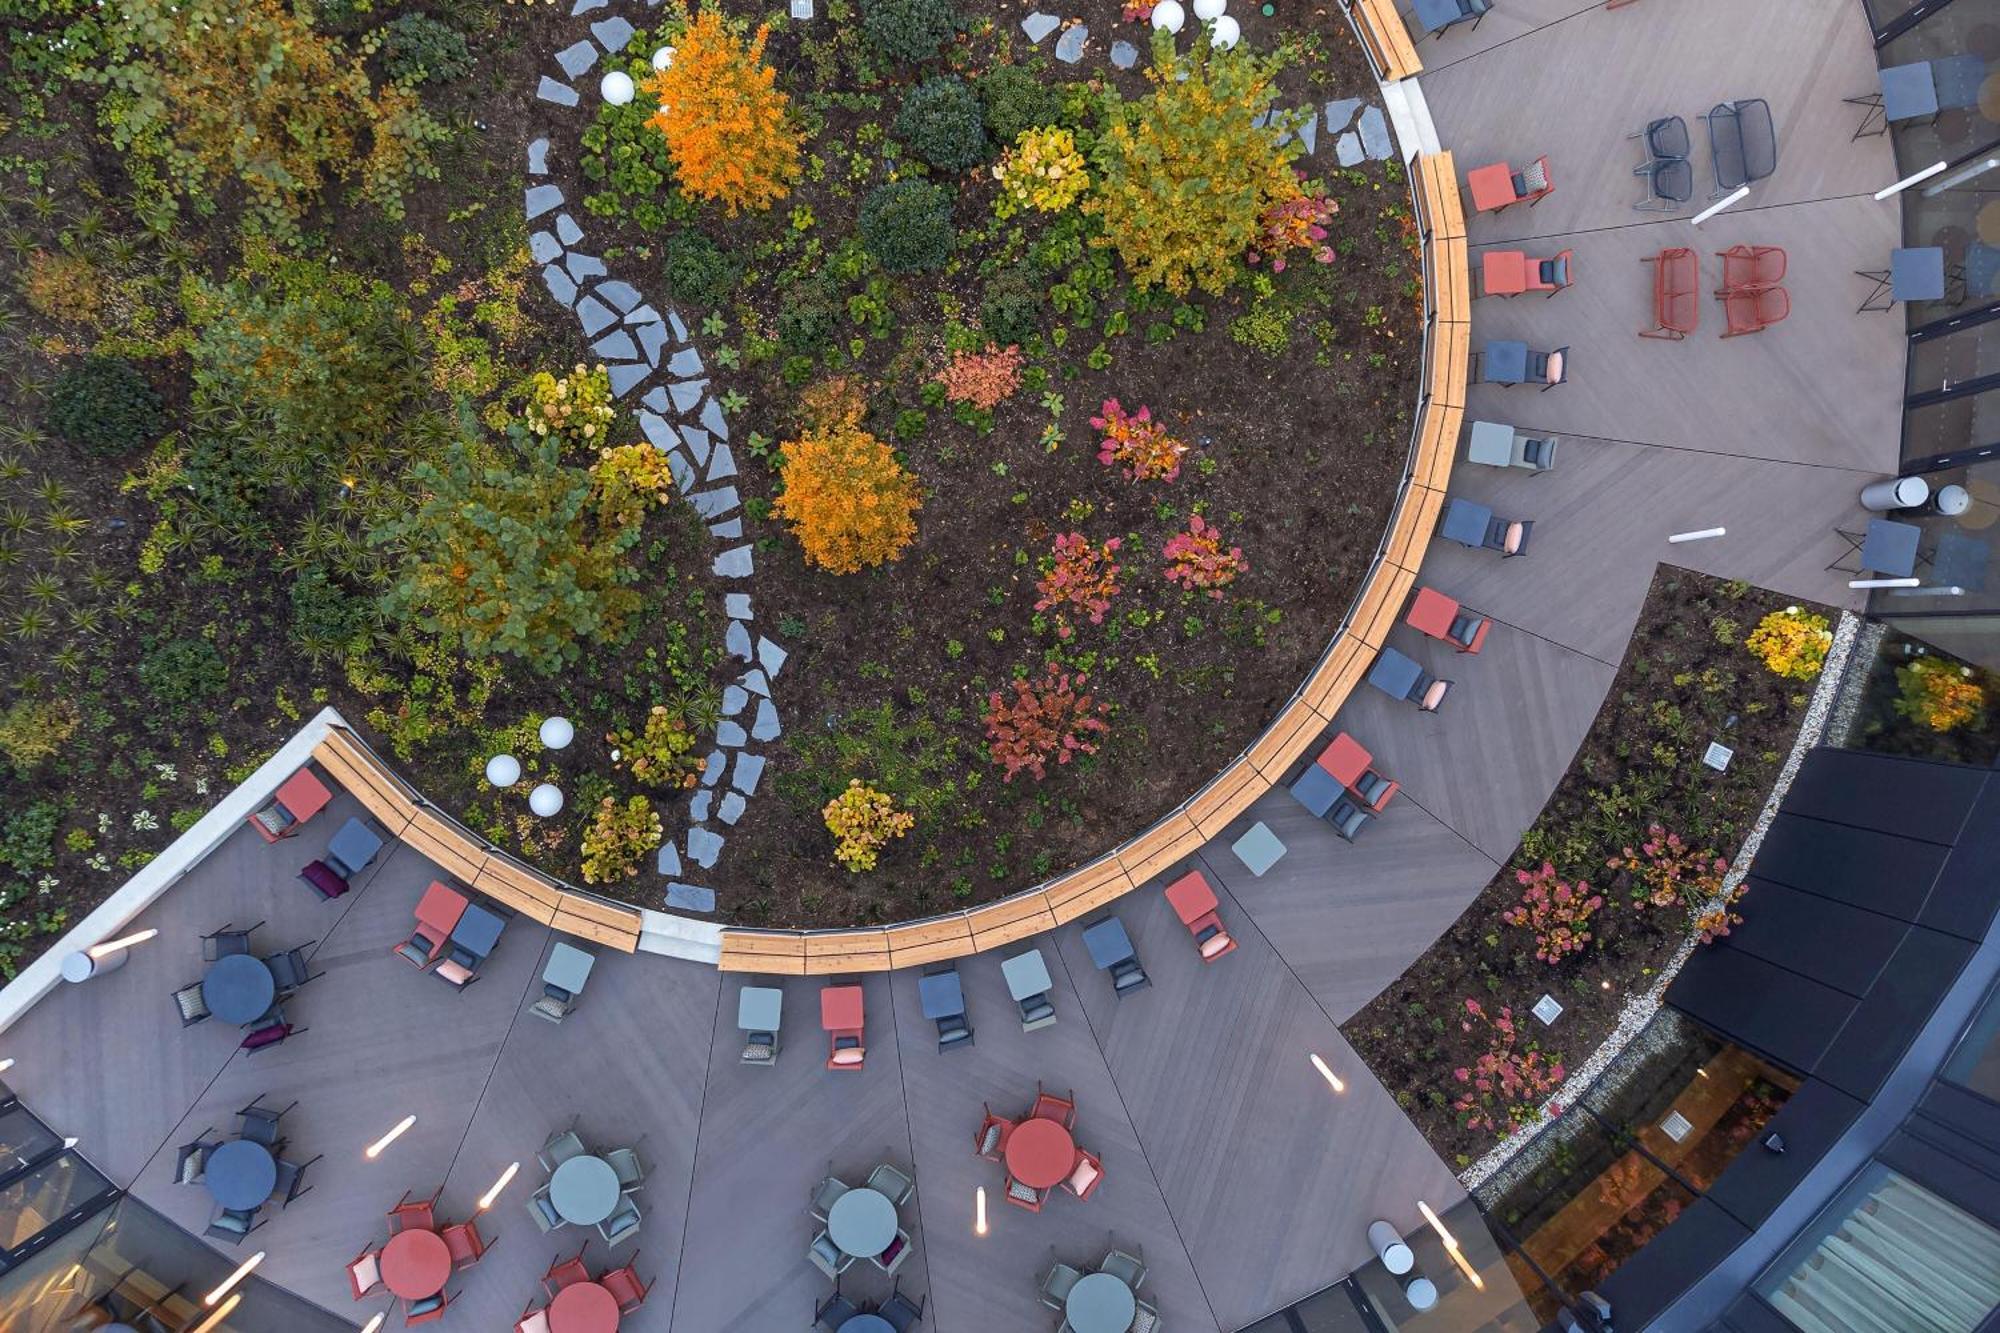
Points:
[1960,44]
[1975,1064]
[1931,690]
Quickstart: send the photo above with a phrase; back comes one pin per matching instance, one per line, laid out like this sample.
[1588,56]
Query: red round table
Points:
[1040,1153]
[416,1264]
[583,1307]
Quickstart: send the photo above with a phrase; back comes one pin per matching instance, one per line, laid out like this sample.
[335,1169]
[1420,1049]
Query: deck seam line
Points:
[694,1161]
[909,1136]
[1707,453]
[1662,219]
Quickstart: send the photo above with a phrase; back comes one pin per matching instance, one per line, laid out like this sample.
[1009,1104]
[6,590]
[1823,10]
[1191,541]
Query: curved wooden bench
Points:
[1441,414]
[464,856]
[1385,38]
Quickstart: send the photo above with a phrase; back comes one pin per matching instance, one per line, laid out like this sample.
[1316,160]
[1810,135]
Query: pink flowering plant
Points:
[1557,912]
[1665,872]
[1506,1085]
[1298,223]
[1079,576]
[1196,559]
[1136,443]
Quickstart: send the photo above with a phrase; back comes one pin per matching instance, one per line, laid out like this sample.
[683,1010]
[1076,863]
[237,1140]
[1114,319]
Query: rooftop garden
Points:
[1067,396]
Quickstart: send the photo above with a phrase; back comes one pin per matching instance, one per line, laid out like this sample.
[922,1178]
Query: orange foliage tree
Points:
[725,123]
[846,498]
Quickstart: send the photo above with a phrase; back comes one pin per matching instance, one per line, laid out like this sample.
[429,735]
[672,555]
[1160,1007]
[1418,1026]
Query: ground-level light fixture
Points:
[243,1270]
[375,1149]
[557,732]
[617,87]
[546,800]
[486,1199]
[1168,16]
[1225,33]
[1333,1080]
[220,1313]
[503,770]
[979,1211]
[109,947]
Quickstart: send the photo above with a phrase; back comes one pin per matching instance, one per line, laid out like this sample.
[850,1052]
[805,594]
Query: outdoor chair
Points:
[991,1140]
[458,968]
[1087,1175]
[1748,267]
[230,1225]
[625,1286]
[226,942]
[1373,790]
[192,1005]
[564,1272]
[1754,311]
[1144,1318]
[464,1242]
[623,1224]
[1676,304]
[1551,368]
[1025,1196]
[419,1216]
[1468,631]
[553,1004]
[1037,1012]
[1550,275]
[1056,1284]
[888,1181]
[825,1195]
[1536,455]
[1742,143]
[1507,536]
[191,1159]
[837,1311]
[290,970]
[1346,818]
[418,950]
[267,1035]
[561,1146]
[895,1256]
[1127,1268]
[1127,977]
[1048,1106]
[543,1209]
[364,1272]
[845,1051]
[760,1048]
[323,879]
[532,1320]
[1669,177]
[259,1124]
[427,1310]
[1428,692]
[953,1031]
[1437,15]
[1211,941]
[898,1313]
[273,821]
[827,1257]
[291,1179]
[1532,183]
[630,1170]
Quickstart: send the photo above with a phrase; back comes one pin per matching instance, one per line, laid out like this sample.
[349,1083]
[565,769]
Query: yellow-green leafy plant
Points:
[1939,694]
[1791,643]
[1042,171]
[573,409]
[619,836]
[661,753]
[862,820]
[630,479]
[32,730]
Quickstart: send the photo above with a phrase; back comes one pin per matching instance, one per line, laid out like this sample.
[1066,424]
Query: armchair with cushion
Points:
[364,1272]
[323,879]
[626,1287]
[532,1320]
[230,1225]
[1536,454]
[623,1224]
[991,1140]
[1024,1196]
[270,1034]
[427,1310]
[1346,818]
[418,951]
[1087,1175]
[192,1004]
[894,1257]
[543,1209]
[1550,275]
[191,1159]
[827,1257]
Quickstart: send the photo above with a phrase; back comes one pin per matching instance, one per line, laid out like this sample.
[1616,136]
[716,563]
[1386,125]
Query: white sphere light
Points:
[1168,16]
[503,770]
[1209,10]
[663,57]
[545,800]
[557,732]
[617,87]
[1226,33]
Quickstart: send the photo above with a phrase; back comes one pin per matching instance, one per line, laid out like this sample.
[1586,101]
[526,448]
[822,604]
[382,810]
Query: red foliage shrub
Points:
[1079,575]
[1046,720]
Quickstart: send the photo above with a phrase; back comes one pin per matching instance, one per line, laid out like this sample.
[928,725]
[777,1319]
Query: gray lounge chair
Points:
[1346,818]
[1056,1284]
[623,1224]
[887,1180]
[1534,454]
[824,1195]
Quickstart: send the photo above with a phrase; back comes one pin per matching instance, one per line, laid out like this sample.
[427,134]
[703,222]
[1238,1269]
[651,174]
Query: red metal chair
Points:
[1089,1172]
[532,1320]
[563,1272]
[421,1216]
[991,1141]
[1676,305]
[364,1272]
[464,1242]
[624,1284]
[1062,1110]
[1747,267]
[1755,311]
[1024,1196]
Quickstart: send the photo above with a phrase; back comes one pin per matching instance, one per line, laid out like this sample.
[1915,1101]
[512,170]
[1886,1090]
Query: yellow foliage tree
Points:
[725,123]
[846,498]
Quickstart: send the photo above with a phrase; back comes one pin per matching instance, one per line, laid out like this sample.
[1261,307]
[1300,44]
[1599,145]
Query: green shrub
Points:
[1010,310]
[699,272]
[907,225]
[183,671]
[1015,100]
[416,48]
[28,840]
[909,29]
[806,321]
[325,616]
[630,158]
[105,405]
[942,123]
[32,730]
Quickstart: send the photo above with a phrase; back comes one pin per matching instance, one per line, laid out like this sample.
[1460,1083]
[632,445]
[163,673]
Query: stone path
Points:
[649,355]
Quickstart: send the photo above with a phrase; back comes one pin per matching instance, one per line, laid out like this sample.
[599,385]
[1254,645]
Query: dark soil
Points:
[1684,677]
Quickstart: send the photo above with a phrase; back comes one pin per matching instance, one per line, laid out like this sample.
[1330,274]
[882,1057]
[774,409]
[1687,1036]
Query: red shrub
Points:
[1506,1085]
[1045,720]
[1079,575]
[1557,912]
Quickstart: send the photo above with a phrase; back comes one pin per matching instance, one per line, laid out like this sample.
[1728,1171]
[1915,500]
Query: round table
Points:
[862,1222]
[416,1264]
[1040,1153]
[866,1323]
[240,1175]
[584,1190]
[239,989]
[1100,1303]
[583,1307]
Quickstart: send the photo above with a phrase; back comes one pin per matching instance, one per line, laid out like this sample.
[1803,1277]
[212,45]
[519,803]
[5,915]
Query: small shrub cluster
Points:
[846,498]
[184,671]
[1294,224]
[629,480]
[1558,913]
[910,30]
[906,224]
[1136,444]
[1016,102]
[1081,576]
[618,839]
[1791,643]
[1048,719]
[32,730]
[661,753]
[726,124]
[573,410]
[862,821]
[982,380]
[943,124]
[1196,560]
[106,406]
[1010,309]
[1665,872]
[699,271]
[1506,1085]
[1935,694]
[417,49]
[1042,171]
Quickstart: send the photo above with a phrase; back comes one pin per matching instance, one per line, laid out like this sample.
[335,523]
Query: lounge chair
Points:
[623,1224]
[1056,1284]
[1536,454]
[1742,143]
[1550,275]
[886,1180]
[1551,368]
[1346,818]
[1127,977]
[419,951]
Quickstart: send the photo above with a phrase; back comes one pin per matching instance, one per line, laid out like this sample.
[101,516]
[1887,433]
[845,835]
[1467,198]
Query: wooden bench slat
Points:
[1416,525]
[432,837]
[1172,840]
[1327,693]
[1019,926]
[625,940]
[1287,738]
[1081,881]
[360,776]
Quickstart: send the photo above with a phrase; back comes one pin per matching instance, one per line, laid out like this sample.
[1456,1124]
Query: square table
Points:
[1107,943]
[1431,612]
[1504,272]
[1916,273]
[1466,523]
[1027,975]
[941,996]
[1504,361]
[1890,549]
[1909,92]
[568,967]
[303,795]
[478,930]
[1346,760]
[354,846]
[1490,443]
[440,908]
[1316,790]
[840,1008]
[1258,849]
[1395,673]
[1491,187]
[760,1008]
[1191,897]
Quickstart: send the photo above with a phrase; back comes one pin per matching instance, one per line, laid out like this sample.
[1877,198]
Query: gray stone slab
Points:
[560,285]
[627,376]
[595,317]
[1308,130]
[697,441]
[687,394]
[704,846]
[714,504]
[1124,55]
[730,529]
[656,398]
[730,735]
[566,229]
[736,563]
[584,267]
[711,769]
[674,323]
[652,339]
[616,346]
[749,767]
[1347,149]
[732,807]
[712,420]
[620,293]
[683,473]
[1340,113]
[1069,46]
[766,727]
[756,683]
[723,465]
[543,247]
[734,700]
[736,640]
[538,157]
[645,314]
[770,656]
[551,90]
[685,365]
[1039,25]
[699,805]
[669,859]
[613,34]
[585,6]
[690,897]
[657,432]
[1375,140]
[539,199]
[736,605]
[576,58]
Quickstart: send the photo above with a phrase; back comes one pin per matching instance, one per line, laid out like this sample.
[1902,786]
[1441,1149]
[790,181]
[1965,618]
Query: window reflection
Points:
[1975,1065]
[33,1202]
